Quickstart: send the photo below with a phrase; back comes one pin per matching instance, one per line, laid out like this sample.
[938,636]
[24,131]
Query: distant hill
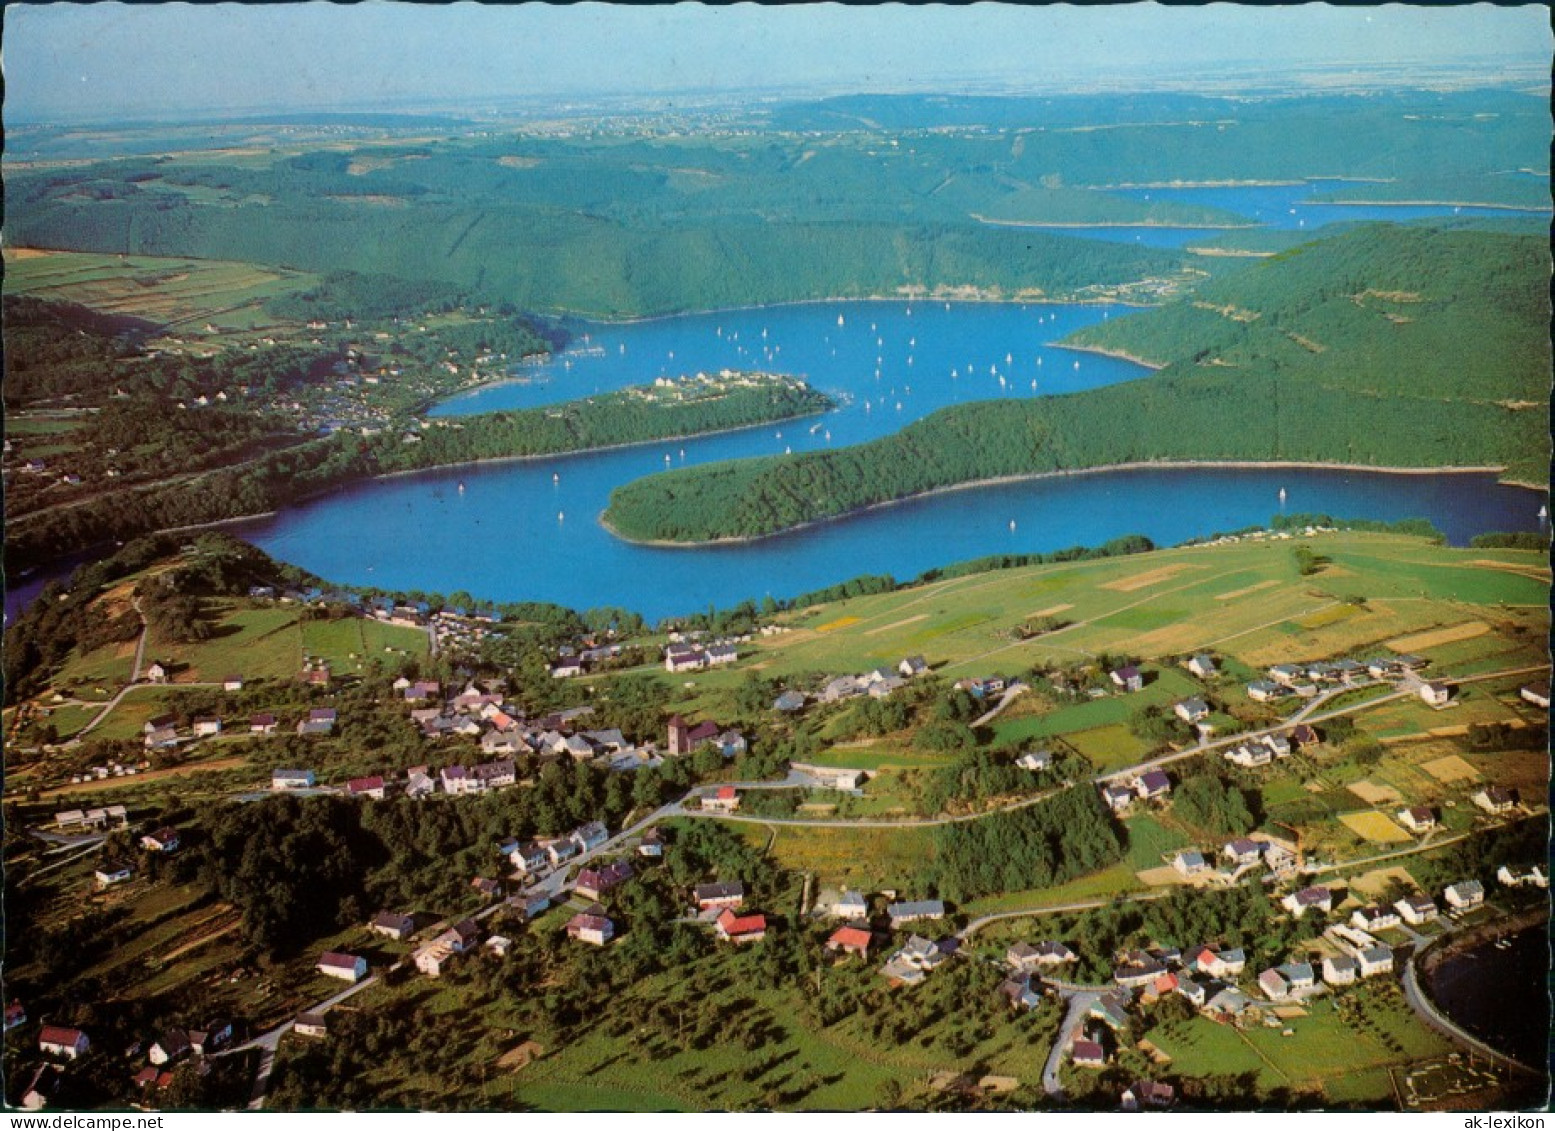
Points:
[1384,346]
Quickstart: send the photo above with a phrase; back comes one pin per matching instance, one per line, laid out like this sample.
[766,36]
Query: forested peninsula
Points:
[640,414]
[1385,347]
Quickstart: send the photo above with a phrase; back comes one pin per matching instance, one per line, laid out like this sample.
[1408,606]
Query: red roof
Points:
[364,785]
[59,1035]
[732,924]
[850,936]
[1166,983]
[704,729]
[727,793]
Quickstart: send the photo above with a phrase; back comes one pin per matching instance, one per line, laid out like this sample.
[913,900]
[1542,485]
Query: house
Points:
[262,724]
[1250,755]
[292,779]
[725,800]
[1134,975]
[1435,694]
[161,738]
[722,654]
[1142,1095]
[156,673]
[1262,691]
[1300,902]
[1023,958]
[492,775]
[1189,863]
[561,850]
[593,883]
[1538,694]
[1378,918]
[789,702]
[57,1040]
[488,887]
[499,945]
[1152,785]
[1375,960]
[1519,877]
[432,958]
[1128,678]
[914,910]
[419,784]
[1054,954]
[311,1025]
[721,895]
[850,905]
[1191,711]
[1340,969]
[1416,909]
[530,857]
[335,964]
[164,840]
[168,1047]
[565,669]
[1274,984]
[590,836]
[531,904]
[1195,991]
[394,925]
[1088,1054]
[1035,760]
[1303,734]
[111,874]
[316,676]
[1417,818]
[1022,990]
[740,928]
[652,843]
[1117,797]
[595,930]
[40,1088]
[843,687]
[851,940]
[1243,851]
[366,787]
[684,659]
[1203,666]
[1465,894]
[206,726]
[912,665]
[461,937]
[1217,964]
[1495,799]
[15,1016]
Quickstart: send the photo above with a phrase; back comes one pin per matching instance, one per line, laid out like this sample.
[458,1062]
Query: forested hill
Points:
[1385,346]
[639,414]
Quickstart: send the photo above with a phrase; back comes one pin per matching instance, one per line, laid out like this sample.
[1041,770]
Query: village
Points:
[1336,917]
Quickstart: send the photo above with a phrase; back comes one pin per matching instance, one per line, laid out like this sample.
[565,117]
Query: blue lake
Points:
[1287,207]
[529,530]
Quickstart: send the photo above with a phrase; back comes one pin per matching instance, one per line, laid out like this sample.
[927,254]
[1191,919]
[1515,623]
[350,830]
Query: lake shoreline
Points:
[1101,469]
[955,294]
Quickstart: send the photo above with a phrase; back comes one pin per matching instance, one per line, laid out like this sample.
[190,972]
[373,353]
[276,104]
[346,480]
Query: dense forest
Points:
[629,416]
[1385,346]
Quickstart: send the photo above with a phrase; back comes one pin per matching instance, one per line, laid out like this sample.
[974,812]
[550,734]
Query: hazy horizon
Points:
[107,61]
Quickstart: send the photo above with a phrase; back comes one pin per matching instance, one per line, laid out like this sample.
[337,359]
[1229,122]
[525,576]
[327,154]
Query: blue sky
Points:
[108,60]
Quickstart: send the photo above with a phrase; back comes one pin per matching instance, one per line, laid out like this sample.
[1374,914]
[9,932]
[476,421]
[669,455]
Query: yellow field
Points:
[1374,827]
[840,622]
[1372,884]
[1420,641]
[1151,577]
[1331,615]
[1450,769]
[1053,611]
[1374,794]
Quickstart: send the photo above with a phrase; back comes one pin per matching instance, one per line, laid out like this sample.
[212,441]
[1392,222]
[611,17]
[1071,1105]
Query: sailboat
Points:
[1012,526]
[1282,496]
[556,478]
[561,515]
[839,320]
[1544,513]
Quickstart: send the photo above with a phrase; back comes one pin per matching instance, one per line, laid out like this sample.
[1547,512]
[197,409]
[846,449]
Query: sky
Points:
[108,60]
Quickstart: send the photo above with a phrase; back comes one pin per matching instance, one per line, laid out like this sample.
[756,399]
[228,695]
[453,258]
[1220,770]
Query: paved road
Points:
[140,644]
[267,1043]
[1011,693]
[862,822]
[978,924]
[1079,1005]
[1427,1012]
